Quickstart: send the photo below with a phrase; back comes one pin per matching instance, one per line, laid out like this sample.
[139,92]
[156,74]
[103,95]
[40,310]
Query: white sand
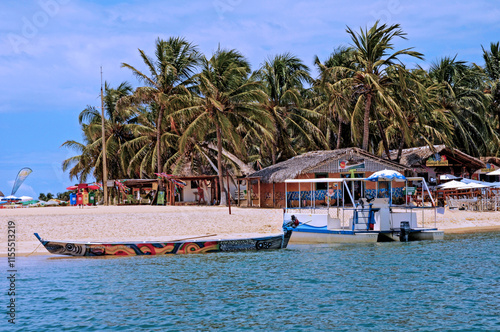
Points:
[144,223]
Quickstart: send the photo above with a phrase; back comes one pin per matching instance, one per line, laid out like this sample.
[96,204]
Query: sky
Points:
[51,52]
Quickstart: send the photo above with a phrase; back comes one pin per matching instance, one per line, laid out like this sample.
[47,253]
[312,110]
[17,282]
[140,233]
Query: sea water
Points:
[448,285]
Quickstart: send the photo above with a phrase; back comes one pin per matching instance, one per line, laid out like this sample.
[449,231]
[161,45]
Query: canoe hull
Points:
[166,248]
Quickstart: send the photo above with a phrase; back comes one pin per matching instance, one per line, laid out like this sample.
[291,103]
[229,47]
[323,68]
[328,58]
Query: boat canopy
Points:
[323,180]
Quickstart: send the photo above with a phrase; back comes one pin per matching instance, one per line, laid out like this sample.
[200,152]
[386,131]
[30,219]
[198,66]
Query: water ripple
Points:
[442,285]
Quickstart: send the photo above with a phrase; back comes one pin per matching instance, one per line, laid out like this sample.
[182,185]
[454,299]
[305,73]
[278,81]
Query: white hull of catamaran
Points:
[314,238]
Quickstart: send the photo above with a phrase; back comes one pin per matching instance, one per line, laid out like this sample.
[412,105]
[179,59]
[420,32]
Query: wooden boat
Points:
[278,241]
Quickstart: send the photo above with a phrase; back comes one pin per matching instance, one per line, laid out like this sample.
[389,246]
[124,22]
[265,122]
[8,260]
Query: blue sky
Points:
[51,52]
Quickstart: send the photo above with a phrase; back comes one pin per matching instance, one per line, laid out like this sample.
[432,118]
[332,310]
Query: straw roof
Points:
[417,156]
[1,193]
[491,160]
[306,162]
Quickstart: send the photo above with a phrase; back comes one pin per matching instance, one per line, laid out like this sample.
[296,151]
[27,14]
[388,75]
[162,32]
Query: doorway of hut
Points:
[356,187]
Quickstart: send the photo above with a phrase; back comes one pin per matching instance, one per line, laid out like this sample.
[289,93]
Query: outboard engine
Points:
[404,231]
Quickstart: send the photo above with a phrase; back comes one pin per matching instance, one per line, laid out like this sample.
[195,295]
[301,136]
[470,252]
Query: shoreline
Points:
[167,223]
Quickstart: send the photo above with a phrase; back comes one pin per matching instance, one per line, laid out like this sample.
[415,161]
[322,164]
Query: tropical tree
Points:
[492,69]
[334,101]
[117,131]
[283,78]
[226,105]
[369,82]
[170,74]
[458,94]
[139,153]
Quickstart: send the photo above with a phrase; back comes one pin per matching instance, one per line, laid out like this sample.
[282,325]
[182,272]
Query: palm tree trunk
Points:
[384,139]
[400,150]
[219,166]
[366,124]
[339,134]
[158,146]
[273,152]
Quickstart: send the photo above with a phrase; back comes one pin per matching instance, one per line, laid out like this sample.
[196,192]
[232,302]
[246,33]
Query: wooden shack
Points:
[431,162]
[268,184]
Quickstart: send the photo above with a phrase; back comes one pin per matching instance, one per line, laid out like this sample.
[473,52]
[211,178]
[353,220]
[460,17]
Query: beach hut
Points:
[268,184]
[431,163]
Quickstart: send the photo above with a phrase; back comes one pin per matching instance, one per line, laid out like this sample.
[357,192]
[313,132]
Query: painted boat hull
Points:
[165,248]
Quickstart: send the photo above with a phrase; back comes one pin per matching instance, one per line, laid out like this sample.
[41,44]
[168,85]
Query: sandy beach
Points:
[141,223]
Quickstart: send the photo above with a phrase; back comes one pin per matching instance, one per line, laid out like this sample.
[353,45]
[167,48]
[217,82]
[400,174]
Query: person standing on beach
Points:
[201,194]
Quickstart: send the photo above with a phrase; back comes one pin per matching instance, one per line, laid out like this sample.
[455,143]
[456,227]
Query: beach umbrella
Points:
[72,188]
[448,177]
[452,185]
[31,202]
[476,185]
[26,198]
[11,198]
[495,172]
[93,187]
[52,202]
[386,175]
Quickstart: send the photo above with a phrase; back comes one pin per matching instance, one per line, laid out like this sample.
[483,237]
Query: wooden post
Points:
[104,166]
[238,192]
[258,188]
[217,190]
[249,186]
[228,195]
[274,203]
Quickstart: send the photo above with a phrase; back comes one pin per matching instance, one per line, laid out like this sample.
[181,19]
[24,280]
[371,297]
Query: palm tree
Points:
[226,103]
[117,130]
[426,125]
[492,69]
[334,102]
[283,78]
[458,93]
[369,82]
[170,74]
[139,153]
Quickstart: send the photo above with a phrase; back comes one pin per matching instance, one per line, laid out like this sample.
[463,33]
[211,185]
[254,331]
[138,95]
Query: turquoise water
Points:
[445,285]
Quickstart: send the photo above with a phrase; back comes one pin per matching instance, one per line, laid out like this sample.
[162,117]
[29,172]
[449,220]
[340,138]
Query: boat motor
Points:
[404,231]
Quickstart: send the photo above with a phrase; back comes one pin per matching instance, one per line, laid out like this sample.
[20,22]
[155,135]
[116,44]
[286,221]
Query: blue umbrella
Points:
[386,175]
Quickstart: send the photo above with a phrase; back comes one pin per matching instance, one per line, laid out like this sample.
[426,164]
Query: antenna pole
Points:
[104,167]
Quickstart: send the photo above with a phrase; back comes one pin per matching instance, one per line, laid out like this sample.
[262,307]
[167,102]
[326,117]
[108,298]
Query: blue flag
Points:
[21,176]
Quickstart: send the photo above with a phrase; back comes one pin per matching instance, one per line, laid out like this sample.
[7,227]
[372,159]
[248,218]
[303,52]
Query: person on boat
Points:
[330,197]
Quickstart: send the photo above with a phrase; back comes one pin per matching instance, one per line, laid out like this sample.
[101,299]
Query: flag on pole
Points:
[21,176]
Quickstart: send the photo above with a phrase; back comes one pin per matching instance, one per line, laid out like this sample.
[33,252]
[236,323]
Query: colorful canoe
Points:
[164,248]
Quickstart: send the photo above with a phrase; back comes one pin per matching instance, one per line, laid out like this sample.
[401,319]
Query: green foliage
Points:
[199,115]
[45,197]
[64,196]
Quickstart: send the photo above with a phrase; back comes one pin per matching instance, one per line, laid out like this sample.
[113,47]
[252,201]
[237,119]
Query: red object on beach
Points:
[72,188]
[93,187]
[79,199]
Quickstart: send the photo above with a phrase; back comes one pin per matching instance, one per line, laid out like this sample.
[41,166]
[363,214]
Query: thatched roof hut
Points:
[491,160]
[1,194]
[323,161]
[415,157]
